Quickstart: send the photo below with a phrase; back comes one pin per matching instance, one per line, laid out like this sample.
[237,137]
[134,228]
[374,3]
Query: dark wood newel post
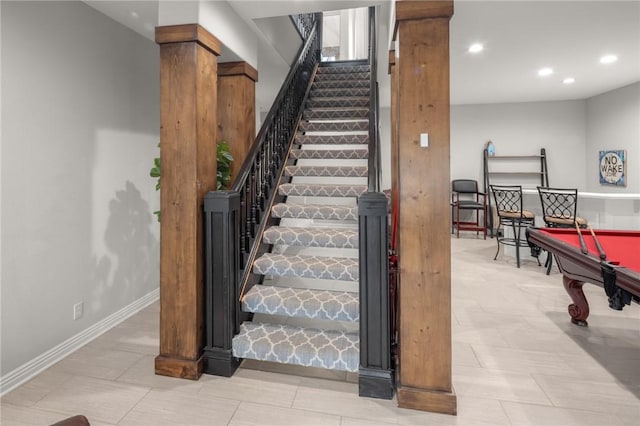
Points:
[375,375]
[222,269]
[188,107]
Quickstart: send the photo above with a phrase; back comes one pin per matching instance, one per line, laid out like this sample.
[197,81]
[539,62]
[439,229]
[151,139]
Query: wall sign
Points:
[613,168]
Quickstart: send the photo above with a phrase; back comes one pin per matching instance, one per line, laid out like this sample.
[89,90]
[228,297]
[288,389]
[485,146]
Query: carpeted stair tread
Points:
[314,211]
[309,347]
[332,154]
[340,84]
[302,303]
[332,139]
[336,113]
[321,190]
[343,76]
[311,237]
[335,126]
[338,102]
[332,93]
[344,69]
[318,267]
[324,171]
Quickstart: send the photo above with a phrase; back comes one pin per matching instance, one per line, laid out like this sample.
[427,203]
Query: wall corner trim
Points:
[188,33]
[27,371]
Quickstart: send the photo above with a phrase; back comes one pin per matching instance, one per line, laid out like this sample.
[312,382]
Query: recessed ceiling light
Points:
[569,80]
[608,59]
[475,48]
[134,14]
[545,72]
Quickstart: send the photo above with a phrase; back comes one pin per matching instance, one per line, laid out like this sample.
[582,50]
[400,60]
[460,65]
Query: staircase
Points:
[306,310]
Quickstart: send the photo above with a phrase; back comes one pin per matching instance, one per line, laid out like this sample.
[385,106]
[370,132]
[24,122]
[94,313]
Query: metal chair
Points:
[466,197]
[508,200]
[559,210]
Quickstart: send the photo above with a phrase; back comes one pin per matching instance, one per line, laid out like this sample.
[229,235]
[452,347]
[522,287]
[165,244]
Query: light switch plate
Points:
[424,140]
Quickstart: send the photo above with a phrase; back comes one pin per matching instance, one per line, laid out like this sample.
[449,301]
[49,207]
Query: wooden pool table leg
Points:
[579,309]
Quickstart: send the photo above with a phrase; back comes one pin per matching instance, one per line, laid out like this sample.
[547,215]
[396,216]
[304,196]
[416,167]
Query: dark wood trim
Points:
[418,9]
[188,133]
[426,400]
[423,106]
[188,33]
[182,368]
[237,110]
[227,69]
[392,60]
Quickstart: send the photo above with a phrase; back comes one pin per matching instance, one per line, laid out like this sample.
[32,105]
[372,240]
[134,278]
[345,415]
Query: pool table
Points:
[618,274]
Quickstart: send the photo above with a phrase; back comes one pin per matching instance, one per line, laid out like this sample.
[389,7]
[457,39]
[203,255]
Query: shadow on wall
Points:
[132,248]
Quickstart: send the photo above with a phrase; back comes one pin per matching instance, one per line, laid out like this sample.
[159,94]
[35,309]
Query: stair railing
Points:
[235,219]
[375,375]
[304,23]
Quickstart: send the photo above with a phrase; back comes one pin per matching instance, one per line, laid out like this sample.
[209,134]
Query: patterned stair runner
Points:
[335,119]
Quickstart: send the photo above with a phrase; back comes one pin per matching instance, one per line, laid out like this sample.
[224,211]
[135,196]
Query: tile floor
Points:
[517,360]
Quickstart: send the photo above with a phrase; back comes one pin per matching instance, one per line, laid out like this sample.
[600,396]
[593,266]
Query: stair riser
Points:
[332,139]
[312,238]
[346,84]
[315,212]
[310,348]
[338,114]
[302,303]
[343,92]
[338,102]
[343,76]
[302,190]
[354,171]
[331,154]
[349,126]
[343,269]
[343,70]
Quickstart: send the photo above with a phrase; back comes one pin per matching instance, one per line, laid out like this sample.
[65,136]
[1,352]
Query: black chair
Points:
[465,197]
[508,200]
[559,210]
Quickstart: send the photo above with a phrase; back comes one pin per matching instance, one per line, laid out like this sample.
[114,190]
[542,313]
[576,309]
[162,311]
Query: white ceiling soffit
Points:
[253,9]
[519,38]
[139,15]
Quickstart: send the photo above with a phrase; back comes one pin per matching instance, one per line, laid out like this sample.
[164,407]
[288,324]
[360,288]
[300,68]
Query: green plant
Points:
[223,159]
[155,173]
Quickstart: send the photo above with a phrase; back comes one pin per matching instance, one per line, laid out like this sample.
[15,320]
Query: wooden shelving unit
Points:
[534,170]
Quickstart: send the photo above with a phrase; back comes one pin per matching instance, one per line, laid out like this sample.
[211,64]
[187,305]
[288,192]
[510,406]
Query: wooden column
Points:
[237,109]
[188,127]
[394,126]
[424,174]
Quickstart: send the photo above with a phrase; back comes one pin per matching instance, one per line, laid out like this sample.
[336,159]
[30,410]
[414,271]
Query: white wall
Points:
[80,128]
[521,129]
[282,35]
[384,125]
[613,123]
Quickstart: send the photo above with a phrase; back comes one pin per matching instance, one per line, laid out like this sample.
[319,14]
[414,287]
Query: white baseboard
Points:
[37,365]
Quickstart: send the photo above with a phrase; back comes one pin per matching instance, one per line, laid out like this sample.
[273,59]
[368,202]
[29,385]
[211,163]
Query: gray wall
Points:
[80,126]
[521,129]
[613,123]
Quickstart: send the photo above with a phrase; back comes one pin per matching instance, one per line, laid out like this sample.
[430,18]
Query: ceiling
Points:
[519,38]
